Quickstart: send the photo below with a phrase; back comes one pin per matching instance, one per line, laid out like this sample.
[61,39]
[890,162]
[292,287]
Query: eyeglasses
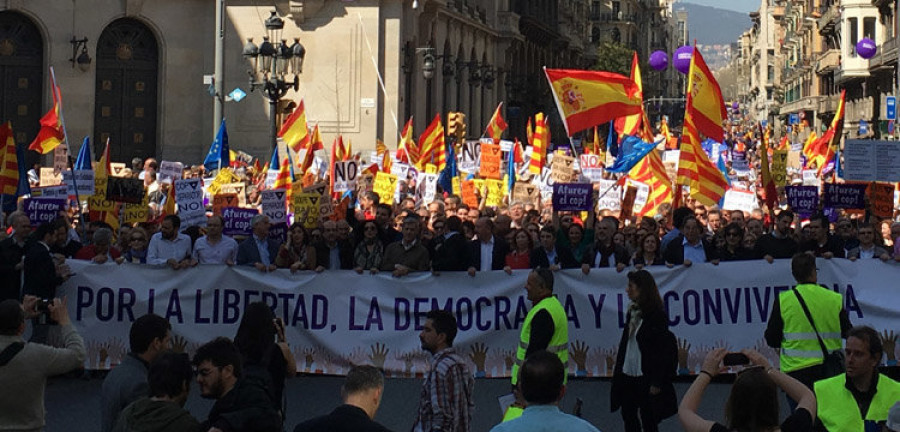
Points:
[733,234]
[137,239]
[371,228]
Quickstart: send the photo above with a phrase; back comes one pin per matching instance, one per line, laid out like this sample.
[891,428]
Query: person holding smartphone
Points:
[266,357]
[753,402]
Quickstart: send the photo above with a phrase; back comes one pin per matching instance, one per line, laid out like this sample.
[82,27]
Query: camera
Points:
[735,359]
[43,306]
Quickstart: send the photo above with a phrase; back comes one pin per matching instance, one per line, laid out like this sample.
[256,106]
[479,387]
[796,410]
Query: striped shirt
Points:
[446,402]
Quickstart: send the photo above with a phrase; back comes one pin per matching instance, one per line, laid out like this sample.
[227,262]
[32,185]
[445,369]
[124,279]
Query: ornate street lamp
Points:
[272,65]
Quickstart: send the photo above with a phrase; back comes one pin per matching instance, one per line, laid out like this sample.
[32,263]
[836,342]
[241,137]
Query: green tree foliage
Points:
[614,57]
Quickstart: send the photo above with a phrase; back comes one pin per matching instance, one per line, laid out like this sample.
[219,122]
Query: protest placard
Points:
[50,192]
[845,196]
[306,208]
[610,197]
[740,200]
[456,185]
[99,203]
[60,159]
[810,178]
[345,174]
[237,221]
[170,171]
[628,202]
[778,168]
[572,197]
[640,198]
[561,169]
[870,160]
[189,199]
[225,176]
[84,180]
[739,162]
[491,159]
[316,188]
[803,200]
[127,190]
[385,186]
[525,193]
[495,192]
[469,155]
[135,213]
[400,170]
[117,169]
[881,197]
[222,200]
[592,166]
[48,177]
[364,183]
[469,196]
[239,189]
[274,205]
[427,187]
[43,210]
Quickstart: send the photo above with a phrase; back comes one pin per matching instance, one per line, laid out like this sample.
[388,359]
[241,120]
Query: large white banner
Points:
[338,318]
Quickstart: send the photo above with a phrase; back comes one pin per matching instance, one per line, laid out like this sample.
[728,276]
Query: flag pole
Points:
[57,97]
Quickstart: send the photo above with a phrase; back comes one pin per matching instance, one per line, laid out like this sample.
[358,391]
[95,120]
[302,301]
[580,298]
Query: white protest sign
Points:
[400,170]
[427,186]
[738,200]
[84,181]
[274,205]
[169,171]
[469,157]
[592,167]
[506,145]
[810,178]
[643,191]
[345,174]
[189,198]
[610,195]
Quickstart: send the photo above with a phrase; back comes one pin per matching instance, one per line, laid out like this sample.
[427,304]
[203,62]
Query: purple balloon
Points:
[682,59]
[659,60]
[866,48]
[735,105]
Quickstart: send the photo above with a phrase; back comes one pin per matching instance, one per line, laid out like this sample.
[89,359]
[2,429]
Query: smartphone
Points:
[735,359]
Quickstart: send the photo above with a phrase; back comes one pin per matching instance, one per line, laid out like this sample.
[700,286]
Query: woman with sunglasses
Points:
[753,403]
[137,248]
[734,249]
[296,253]
[369,252]
[642,377]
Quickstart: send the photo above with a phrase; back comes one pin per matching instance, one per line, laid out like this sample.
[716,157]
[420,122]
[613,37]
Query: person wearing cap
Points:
[861,386]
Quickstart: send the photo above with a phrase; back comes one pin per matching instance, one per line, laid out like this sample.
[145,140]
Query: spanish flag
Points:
[651,171]
[704,99]
[315,143]
[821,151]
[588,98]
[529,132]
[496,126]
[539,144]
[628,125]
[294,131]
[386,163]
[51,133]
[9,169]
[430,140]
[767,180]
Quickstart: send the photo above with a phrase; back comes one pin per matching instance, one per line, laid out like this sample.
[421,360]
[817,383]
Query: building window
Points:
[854,35]
[869,28]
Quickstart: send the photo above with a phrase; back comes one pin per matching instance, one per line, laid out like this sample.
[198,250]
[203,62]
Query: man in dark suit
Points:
[258,250]
[605,252]
[452,253]
[549,255]
[42,272]
[361,393]
[488,251]
[690,246]
[12,250]
[332,253]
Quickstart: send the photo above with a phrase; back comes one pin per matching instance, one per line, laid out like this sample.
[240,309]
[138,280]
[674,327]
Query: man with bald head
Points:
[333,253]
[259,250]
[215,248]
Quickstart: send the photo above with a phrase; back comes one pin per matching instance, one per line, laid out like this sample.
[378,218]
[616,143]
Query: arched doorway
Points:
[126,90]
[21,76]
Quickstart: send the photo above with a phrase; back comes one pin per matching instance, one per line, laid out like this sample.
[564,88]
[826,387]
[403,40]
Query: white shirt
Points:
[208,253]
[487,254]
[631,365]
[161,250]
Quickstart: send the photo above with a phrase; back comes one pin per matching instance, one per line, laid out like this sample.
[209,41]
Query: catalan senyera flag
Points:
[9,170]
[628,125]
[294,131]
[285,175]
[51,133]
[704,99]
[707,183]
[808,145]
[496,126]
[430,140]
[588,98]
[386,163]
[315,143]
[767,180]
[651,171]
[529,132]
[539,144]
[407,151]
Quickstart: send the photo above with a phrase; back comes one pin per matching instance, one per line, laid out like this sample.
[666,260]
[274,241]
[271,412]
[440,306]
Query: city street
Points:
[73,404]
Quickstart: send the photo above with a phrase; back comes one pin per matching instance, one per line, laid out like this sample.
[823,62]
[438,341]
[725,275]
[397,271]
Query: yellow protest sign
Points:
[135,213]
[456,186]
[385,185]
[430,169]
[306,208]
[99,203]
[494,192]
[225,176]
[238,189]
[779,167]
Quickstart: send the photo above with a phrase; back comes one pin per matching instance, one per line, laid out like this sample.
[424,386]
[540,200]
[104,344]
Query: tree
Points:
[614,57]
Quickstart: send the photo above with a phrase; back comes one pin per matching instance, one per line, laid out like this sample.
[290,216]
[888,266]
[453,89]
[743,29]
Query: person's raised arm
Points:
[796,390]
[687,411]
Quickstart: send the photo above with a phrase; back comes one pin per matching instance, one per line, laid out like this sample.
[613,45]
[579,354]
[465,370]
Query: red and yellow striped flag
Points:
[496,126]
[9,161]
[651,171]
[315,143]
[430,140]
[539,144]
[51,133]
[767,180]
[695,169]
[588,98]
[628,125]
[294,131]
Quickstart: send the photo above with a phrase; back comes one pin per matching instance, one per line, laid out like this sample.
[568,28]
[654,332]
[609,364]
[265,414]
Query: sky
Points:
[745,6]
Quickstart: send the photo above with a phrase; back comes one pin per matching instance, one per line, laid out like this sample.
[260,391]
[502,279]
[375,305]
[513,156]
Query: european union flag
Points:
[83,161]
[636,150]
[219,154]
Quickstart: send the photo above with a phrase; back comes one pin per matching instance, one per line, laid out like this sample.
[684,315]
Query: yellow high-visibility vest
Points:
[800,348]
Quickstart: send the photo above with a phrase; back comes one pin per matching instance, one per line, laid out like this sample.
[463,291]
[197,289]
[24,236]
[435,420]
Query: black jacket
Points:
[10,279]
[619,253]
[564,256]
[674,253]
[498,256]
[41,279]
[345,418]
[452,254]
[246,408]
[345,252]
[652,343]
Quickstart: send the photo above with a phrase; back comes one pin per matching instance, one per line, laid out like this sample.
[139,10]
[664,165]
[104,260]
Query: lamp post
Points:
[272,64]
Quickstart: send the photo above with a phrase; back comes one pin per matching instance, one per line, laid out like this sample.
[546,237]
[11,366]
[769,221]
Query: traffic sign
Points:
[891,108]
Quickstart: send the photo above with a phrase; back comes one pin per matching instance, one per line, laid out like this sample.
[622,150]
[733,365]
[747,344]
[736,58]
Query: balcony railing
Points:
[830,16]
[613,17]
[828,60]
